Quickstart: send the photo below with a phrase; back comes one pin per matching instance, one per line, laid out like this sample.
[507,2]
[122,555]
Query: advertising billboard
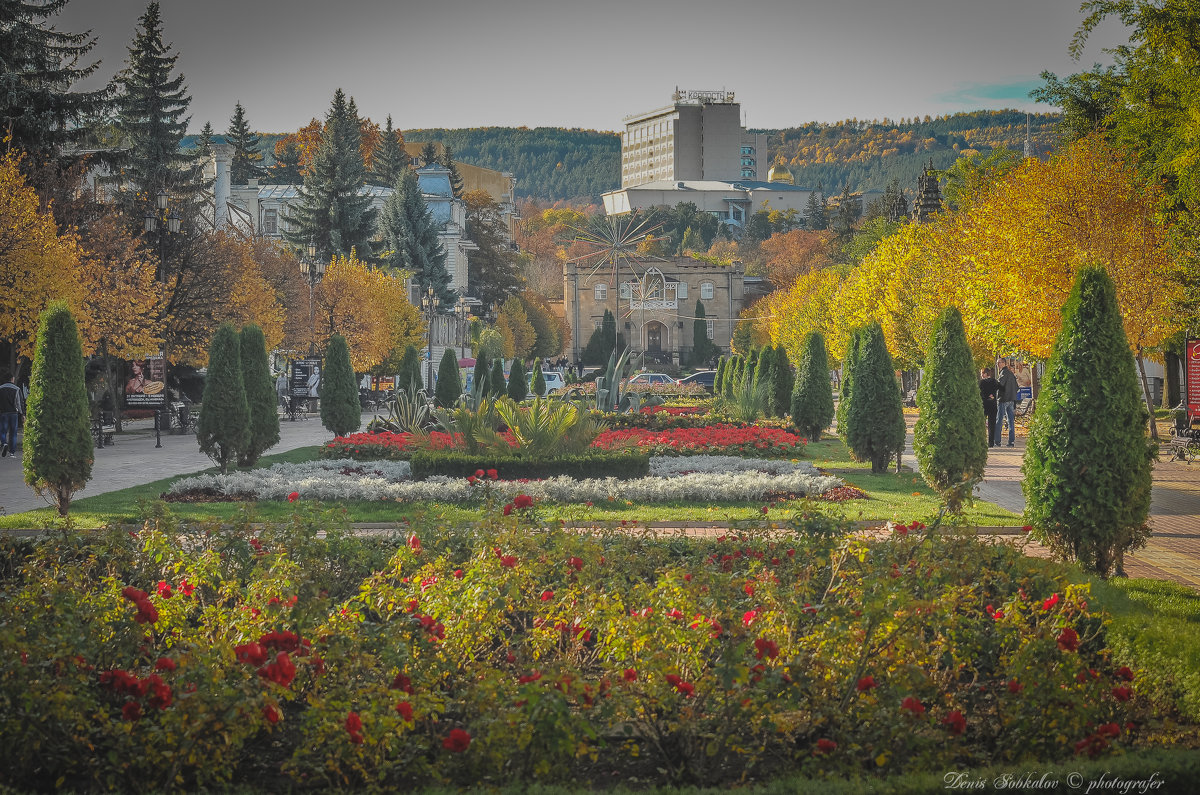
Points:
[1192,371]
[146,383]
[306,378]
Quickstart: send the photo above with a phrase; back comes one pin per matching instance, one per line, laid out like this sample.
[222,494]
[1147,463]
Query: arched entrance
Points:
[656,337]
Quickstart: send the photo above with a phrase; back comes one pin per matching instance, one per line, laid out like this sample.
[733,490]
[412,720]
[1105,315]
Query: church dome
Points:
[780,173]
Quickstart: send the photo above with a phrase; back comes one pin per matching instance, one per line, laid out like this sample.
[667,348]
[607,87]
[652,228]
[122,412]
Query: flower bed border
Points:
[622,465]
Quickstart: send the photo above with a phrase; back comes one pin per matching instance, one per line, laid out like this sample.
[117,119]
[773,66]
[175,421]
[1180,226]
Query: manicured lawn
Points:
[902,497]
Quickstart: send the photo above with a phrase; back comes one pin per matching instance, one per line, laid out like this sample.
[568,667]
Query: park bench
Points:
[104,426]
[1184,444]
[1024,407]
[910,399]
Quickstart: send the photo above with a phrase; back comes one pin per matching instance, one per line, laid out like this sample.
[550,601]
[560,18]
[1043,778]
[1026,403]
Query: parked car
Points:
[705,378]
[554,380]
[650,379]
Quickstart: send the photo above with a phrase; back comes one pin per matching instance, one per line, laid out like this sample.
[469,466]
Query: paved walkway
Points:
[134,460]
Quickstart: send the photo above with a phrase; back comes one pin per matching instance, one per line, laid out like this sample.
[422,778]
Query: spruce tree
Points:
[719,378]
[411,239]
[261,399]
[539,382]
[456,181]
[875,426]
[39,64]
[286,168]
[599,346]
[151,117]
[332,213]
[57,455]
[815,213]
[223,429]
[518,388]
[390,158]
[812,396]
[449,381]
[429,153]
[1087,465]
[341,412]
[950,440]
[479,377]
[498,386]
[247,160]
[204,141]
[409,378]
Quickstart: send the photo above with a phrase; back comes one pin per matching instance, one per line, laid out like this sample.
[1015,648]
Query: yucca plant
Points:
[749,399]
[408,412]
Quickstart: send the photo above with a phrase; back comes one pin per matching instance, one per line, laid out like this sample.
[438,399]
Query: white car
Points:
[554,380]
[650,379]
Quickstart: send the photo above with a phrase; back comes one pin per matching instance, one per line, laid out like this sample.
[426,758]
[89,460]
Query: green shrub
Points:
[340,409]
[539,382]
[449,382]
[950,440]
[719,378]
[603,342]
[261,400]
[849,359]
[764,377]
[812,396]
[518,388]
[875,426]
[624,466]
[733,375]
[57,456]
[1087,465]
[479,377]
[703,348]
[223,428]
[783,380]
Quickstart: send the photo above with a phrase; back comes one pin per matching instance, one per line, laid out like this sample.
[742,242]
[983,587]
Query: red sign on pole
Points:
[1192,359]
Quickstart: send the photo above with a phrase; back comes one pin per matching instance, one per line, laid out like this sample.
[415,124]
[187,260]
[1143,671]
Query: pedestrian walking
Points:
[1007,404]
[989,387]
[11,407]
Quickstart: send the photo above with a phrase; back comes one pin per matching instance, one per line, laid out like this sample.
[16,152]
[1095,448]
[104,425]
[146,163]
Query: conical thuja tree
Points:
[496,382]
[764,375]
[57,457]
[733,376]
[223,429]
[848,362]
[812,397]
[479,377]
[719,378]
[875,415]
[950,440]
[1087,465]
[449,382]
[538,386]
[518,389]
[782,382]
[409,378]
[261,399]
[341,412]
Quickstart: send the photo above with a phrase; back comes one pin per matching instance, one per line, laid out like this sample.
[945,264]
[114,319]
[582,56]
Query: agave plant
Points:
[607,395]
[408,412]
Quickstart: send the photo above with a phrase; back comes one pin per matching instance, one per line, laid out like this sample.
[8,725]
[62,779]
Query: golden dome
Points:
[780,173]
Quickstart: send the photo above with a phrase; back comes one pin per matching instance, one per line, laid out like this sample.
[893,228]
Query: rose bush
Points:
[507,652]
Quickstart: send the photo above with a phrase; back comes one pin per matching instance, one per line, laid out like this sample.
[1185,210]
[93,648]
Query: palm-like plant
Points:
[408,412]
[548,427]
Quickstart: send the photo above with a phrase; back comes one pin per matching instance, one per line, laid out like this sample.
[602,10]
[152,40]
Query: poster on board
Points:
[1192,373]
[146,383]
[306,378]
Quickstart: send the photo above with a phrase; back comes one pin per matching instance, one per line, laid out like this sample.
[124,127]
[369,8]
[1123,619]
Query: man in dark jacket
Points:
[989,387]
[10,411]
[1008,404]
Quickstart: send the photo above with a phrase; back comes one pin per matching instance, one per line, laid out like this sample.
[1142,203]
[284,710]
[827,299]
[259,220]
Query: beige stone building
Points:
[655,305]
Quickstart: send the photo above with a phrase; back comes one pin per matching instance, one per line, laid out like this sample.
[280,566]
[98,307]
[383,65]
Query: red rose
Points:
[522,501]
[913,706]
[271,713]
[1051,602]
[164,589]
[186,588]
[1122,693]
[147,613]
[493,474]
[508,509]
[825,746]
[353,726]
[547,595]
[414,543]
[630,674]
[457,741]
[1014,686]
[1068,640]
[251,654]
[164,664]
[766,648]
[131,711]
[1124,673]
[508,561]
[955,723]
[402,683]
[133,594]
[479,473]
[458,574]
[295,495]
[471,479]
[865,684]
[406,711]
[575,563]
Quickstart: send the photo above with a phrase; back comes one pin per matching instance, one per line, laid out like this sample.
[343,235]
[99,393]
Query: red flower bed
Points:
[711,440]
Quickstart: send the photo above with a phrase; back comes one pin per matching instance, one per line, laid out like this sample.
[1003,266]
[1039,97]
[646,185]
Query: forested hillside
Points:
[867,155]
[553,163]
[549,162]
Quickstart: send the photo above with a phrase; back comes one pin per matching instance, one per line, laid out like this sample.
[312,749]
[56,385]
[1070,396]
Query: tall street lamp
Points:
[164,223]
[463,309]
[429,306]
[313,270]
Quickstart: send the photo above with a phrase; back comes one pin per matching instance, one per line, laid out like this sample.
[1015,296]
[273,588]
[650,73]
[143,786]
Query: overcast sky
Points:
[564,63]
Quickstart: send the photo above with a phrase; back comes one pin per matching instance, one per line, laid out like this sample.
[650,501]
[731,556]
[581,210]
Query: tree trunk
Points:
[1146,391]
[111,381]
[1171,393]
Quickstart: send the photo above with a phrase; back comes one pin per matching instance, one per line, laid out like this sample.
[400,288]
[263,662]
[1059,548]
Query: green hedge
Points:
[591,465]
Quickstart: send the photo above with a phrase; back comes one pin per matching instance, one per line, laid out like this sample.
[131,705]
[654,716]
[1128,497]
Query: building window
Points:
[711,326]
[706,291]
[270,222]
[681,289]
[597,324]
[601,292]
[747,150]
[625,290]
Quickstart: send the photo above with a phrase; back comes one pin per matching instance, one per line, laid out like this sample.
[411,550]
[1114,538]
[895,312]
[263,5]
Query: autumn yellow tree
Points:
[37,264]
[369,308]
[789,255]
